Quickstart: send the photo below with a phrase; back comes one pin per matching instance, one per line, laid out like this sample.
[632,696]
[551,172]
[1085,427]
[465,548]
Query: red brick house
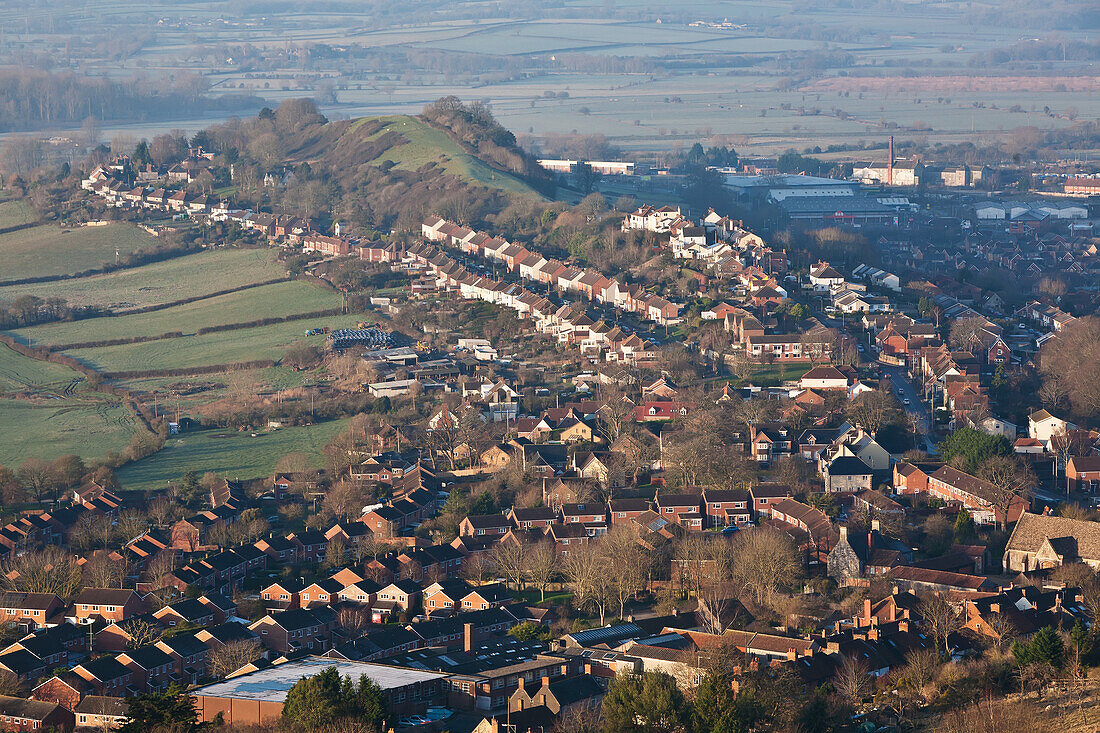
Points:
[32,609]
[1083,474]
[624,511]
[476,525]
[19,714]
[764,494]
[726,507]
[66,690]
[296,629]
[110,604]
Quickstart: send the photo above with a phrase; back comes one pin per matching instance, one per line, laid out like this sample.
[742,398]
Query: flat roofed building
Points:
[258,697]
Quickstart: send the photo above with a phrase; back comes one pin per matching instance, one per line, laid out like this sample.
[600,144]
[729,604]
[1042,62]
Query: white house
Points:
[1042,425]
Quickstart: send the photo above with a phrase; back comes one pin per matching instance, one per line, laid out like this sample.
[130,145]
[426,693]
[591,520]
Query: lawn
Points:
[230,454]
[89,425]
[267,301]
[424,146]
[20,373]
[205,272]
[224,347]
[51,250]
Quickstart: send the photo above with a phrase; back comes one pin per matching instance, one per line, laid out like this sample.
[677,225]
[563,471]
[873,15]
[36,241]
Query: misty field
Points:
[52,250]
[266,301]
[189,276]
[234,455]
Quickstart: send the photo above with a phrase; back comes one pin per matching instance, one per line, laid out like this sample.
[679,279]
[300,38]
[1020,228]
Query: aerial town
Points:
[379,417]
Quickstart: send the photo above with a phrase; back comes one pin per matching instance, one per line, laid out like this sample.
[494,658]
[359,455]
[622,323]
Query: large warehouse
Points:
[258,697]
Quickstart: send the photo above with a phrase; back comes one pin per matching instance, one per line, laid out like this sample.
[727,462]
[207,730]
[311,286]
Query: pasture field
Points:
[235,455]
[20,373]
[15,213]
[267,301]
[189,276]
[424,146]
[224,347]
[47,249]
[89,425]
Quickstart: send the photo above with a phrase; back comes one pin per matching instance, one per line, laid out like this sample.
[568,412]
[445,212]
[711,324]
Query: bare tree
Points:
[586,571]
[103,571]
[232,656]
[765,561]
[874,410]
[141,632]
[852,680]
[542,566]
[509,558]
[48,570]
[353,620]
[625,563]
[1011,484]
[941,618]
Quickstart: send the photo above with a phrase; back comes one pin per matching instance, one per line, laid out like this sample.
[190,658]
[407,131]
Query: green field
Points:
[190,276]
[427,144]
[51,250]
[267,301]
[20,373]
[229,454]
[224,347]
[89,425]
[15,213]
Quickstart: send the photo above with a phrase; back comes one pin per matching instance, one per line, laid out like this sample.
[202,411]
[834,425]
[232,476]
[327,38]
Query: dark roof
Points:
[104,596]
[148,657]
[572,690]
[101,705]
[18,707]
[105,668]
[848,466]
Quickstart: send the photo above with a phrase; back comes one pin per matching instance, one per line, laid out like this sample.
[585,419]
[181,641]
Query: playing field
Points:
[230,454]
[89,425]
[205,272]
[51,250]
[223,347]
[267,301]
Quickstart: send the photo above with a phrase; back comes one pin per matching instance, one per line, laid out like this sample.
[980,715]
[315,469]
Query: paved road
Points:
[916,407]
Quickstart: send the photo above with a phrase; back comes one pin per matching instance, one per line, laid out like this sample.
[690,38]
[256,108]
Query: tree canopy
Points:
[325,698]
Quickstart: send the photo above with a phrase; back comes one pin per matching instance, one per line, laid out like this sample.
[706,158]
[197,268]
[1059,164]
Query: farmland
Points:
[189,276]
[224,347]
[55,412]
[267,301]
[20,373]
[89,425]
[48,249]
[230,454]
[15,213]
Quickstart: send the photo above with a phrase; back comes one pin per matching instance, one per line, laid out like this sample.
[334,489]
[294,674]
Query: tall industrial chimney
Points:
[890,164]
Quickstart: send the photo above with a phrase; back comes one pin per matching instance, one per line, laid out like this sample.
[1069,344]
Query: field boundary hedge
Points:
[202,331]
[189,371]
[196,298]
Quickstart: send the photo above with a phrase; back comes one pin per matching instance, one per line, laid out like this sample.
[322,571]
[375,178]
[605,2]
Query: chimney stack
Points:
[467,637]
[890,164]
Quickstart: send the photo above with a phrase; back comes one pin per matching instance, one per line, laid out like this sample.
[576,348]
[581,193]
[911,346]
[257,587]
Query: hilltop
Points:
[376,172]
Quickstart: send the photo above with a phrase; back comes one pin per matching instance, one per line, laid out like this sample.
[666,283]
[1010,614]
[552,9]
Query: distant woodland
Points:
[34,99]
